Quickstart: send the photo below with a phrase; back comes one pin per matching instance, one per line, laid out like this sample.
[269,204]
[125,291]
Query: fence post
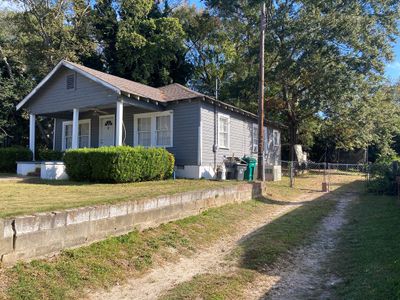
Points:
[291,174]
[325,185]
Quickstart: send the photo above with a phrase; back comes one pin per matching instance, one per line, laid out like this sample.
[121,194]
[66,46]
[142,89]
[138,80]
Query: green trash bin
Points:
[251,166]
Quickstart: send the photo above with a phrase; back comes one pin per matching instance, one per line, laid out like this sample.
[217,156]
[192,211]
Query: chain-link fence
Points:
[321,176]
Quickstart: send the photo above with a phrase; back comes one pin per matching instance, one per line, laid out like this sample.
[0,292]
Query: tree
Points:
[13,84]
[318,52]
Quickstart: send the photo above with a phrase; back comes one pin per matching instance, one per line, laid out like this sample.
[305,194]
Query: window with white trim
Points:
[154,129]
[255,139]
[276,137]
[223,131]
[83,134]
[266,144]
[254,148]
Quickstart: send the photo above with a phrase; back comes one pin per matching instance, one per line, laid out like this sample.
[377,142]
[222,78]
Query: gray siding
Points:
[129,111]
[54,96]
[185,130]
[241,128]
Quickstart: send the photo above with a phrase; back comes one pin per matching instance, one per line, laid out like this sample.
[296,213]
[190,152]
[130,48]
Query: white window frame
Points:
[254,137]
[228,118]
[276,132]
[153,138]
[84,121]
[266,144]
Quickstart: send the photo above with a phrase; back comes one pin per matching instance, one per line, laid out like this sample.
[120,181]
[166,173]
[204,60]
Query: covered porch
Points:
[91,127]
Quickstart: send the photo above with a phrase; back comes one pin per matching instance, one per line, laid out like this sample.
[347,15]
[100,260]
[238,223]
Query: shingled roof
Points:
[168,93]
[120,85]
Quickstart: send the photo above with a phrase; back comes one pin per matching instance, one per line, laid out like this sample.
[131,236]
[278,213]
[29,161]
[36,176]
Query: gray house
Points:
[93,109]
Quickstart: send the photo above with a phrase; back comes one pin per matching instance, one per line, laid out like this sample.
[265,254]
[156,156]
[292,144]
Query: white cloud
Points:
[10,5]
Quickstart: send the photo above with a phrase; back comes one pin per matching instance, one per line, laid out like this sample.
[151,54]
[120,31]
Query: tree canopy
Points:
[324,59]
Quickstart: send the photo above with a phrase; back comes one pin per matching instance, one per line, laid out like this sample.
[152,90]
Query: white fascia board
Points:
[68,65]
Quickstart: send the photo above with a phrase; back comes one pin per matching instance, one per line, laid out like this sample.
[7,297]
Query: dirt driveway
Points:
[211,260]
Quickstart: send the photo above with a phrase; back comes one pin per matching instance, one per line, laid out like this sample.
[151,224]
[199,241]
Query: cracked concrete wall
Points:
[42,234]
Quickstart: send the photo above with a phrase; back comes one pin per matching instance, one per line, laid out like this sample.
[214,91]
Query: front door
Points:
[106,136]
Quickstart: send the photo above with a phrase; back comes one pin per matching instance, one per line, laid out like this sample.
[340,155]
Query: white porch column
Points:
[32,123]
[75,129]
[119,121]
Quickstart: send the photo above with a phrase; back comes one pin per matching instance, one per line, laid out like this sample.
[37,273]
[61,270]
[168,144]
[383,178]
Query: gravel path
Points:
[210,260]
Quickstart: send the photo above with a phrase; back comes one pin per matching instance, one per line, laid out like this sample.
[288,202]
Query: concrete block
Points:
[53,171]
[26,224]
[78,215]
[46,233]
[187,198]
[46,220]
[150,204]
[29,242]
[118,210]
[76,234]
[60,219]
[8,231]
[123,224]
[6,243]
[99,213]
[163,202]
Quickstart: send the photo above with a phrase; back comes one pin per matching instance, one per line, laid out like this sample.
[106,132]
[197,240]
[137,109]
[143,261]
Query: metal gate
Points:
[340,174]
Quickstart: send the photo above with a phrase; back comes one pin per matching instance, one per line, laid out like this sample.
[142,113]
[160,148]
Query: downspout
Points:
[54,134]
[200,143]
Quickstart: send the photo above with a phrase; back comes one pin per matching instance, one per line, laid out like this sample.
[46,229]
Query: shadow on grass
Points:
[37,180]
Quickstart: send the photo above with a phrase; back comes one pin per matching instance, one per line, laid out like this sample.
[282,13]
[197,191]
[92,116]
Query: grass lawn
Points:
[35,195]
[19,197]
[107,263]
[368,256]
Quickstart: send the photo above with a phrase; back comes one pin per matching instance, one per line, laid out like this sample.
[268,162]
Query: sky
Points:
[392,69]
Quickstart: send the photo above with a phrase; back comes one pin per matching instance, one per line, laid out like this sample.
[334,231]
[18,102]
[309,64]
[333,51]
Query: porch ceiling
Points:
[104,109]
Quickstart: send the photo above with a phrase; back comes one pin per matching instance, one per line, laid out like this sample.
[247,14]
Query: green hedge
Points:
[49,155]
[119,164]
[10,156]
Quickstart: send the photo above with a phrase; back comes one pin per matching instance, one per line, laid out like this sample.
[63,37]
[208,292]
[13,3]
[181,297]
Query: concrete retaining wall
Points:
[42,234]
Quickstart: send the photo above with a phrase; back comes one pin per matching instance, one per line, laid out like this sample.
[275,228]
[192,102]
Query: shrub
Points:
[383,176]
[119,164]
[49,155]
[10,156]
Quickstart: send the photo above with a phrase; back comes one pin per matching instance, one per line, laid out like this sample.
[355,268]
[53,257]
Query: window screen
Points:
[144,132]
[163,130]
[223,132]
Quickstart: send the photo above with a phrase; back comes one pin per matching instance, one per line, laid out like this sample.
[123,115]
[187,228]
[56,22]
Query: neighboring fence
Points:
[329,173]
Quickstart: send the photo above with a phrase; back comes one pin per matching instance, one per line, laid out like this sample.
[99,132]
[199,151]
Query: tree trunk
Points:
[43,134]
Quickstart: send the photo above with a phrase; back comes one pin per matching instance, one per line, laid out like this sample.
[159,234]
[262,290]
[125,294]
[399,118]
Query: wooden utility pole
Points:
[261,170]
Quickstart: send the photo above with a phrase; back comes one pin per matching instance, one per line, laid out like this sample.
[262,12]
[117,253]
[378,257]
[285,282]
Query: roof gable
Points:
[120,85]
